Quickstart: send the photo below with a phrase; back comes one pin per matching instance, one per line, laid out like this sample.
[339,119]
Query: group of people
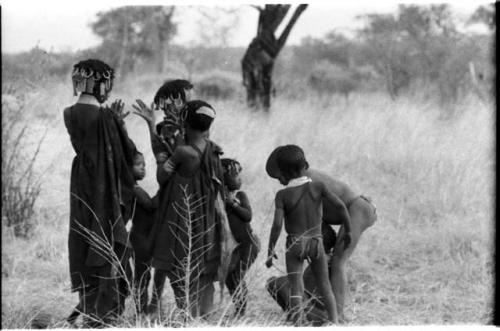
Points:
[196,229]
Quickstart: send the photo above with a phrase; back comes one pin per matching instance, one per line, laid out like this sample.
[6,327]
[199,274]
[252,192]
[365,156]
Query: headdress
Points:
[92,77]
[171,97]
[174,92]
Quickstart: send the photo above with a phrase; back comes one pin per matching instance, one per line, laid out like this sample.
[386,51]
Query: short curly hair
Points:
[291,161]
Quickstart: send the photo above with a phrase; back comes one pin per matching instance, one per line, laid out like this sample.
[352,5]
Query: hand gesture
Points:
[147,113]
[117,108]
[347,239]
[231,201]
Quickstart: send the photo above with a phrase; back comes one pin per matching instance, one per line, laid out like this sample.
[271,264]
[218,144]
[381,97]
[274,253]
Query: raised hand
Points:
[117,107]
[142,110]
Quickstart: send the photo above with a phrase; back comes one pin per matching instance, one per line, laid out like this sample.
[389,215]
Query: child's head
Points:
[172,96]
[93,77]
[139,167]
[291,163]
[232,170]
[199,115]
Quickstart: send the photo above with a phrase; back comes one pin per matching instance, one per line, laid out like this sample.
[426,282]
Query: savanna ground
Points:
[427,260]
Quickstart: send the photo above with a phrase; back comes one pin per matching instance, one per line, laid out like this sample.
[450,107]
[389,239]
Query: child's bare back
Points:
[302,206]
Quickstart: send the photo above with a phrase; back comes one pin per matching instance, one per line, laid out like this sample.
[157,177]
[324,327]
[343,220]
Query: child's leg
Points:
[320,270]
[142,279]
[249,252]
[362,217]
[294,272]
[158,285]
[237,288]
[279,290]
[205,295]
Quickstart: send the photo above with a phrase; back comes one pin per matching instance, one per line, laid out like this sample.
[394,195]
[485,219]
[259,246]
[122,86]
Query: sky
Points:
[64,25]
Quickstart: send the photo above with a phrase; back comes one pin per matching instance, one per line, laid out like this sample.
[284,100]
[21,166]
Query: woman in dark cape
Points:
[101,196]
[186,239]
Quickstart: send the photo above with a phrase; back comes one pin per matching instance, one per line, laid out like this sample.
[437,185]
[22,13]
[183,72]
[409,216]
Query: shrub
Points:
[20,182]
[217,85]
[329,78]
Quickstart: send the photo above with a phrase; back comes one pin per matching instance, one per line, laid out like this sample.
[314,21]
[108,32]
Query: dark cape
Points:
[101,195]
[178,232]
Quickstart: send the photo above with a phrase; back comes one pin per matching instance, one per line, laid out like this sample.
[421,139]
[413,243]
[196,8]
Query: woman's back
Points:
[78,118]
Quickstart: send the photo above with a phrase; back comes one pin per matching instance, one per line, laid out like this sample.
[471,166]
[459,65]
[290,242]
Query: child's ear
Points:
[307,165]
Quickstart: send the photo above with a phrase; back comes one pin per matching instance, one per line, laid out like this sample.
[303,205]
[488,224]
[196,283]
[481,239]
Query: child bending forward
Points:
[300,205]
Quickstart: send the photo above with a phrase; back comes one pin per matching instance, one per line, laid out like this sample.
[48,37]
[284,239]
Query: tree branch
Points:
[284,35]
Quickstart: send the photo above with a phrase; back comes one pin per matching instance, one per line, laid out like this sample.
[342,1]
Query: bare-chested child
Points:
[300,206]
[142,223]
[239,214]
[362,214]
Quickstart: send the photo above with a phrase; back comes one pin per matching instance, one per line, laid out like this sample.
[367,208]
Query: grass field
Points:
[427,260]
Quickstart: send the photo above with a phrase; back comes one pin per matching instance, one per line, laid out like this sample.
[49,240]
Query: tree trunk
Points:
[258,62]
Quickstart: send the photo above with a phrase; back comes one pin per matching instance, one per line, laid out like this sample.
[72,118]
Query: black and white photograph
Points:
[191,164]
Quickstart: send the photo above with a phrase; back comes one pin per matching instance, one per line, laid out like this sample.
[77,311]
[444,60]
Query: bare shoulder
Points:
[317,188]
[279,195]
[332,184]
[184,150]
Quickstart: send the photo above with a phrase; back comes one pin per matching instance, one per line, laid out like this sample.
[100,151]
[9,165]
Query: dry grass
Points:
[426,261]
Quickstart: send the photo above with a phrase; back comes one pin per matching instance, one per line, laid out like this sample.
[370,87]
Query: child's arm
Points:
[275,230]
[143,199]
[166,169]
[340,206]
[242,209]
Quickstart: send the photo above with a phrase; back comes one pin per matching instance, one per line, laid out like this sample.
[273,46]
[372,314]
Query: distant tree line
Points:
[419,46]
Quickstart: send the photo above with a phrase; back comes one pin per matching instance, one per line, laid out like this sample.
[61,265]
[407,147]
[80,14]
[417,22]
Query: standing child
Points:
[142,222]
[300,205]
[239,214]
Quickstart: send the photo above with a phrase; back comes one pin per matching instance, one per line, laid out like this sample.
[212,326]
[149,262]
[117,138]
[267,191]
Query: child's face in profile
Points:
[232,180]
[139,167]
